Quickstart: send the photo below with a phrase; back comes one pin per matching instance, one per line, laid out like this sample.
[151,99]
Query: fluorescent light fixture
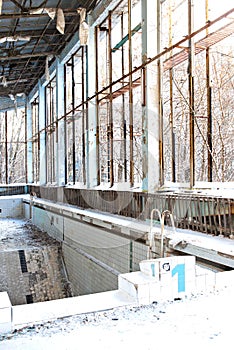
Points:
[51,12]
[60,25]
[9,82]
[84,27]
[4,81]
[14,38]
[47,72]
[12,97]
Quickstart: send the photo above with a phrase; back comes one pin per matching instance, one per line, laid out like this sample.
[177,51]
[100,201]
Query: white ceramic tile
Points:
[5,315]
[200,283]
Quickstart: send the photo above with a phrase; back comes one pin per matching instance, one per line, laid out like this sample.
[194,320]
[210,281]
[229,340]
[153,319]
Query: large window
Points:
[197,93]
[75,92]
[119,106]
[35,141]
[12,146]
[178,82]
[51,128]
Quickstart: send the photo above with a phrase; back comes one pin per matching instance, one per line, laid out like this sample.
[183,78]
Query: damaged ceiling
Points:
[30,33]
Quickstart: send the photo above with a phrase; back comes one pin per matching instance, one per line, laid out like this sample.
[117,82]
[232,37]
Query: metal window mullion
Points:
[6,150]
[97,106]
[52,133]
[65,123]
[34,157]
[209,105]
[73,126]
[130,92]
[191,92]
[173,164]
[26,145]
[123,106]
[45,131]
[110,123]
[38,139]
[38,145]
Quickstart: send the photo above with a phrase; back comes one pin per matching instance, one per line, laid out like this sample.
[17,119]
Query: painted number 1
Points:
[180,270]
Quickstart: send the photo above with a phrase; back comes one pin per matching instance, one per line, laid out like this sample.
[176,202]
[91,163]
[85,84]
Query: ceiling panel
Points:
[27,35]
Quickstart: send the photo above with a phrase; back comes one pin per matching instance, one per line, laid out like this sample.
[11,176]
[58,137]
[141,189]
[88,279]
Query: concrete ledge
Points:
[11,206]
[5,313]
[24,315]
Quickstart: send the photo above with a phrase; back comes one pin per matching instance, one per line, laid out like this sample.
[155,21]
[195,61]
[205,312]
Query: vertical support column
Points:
[54,138]
[209,106]
[124,127]
[25,141]
[60,132]
[110,122]
[29,148]
[191,93]
[42,131]
[172,134]
[97,104]
[159,97]
[65,123]
[87,119]
[6,149]
[151,108]
[130,92]
[83,116]
[92,165]
[73,127]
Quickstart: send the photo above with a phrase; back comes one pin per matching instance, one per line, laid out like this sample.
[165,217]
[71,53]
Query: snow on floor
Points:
[204,321]
[18,234]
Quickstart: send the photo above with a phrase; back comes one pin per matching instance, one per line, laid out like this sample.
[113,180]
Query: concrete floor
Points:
[32,268]
[18,234]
